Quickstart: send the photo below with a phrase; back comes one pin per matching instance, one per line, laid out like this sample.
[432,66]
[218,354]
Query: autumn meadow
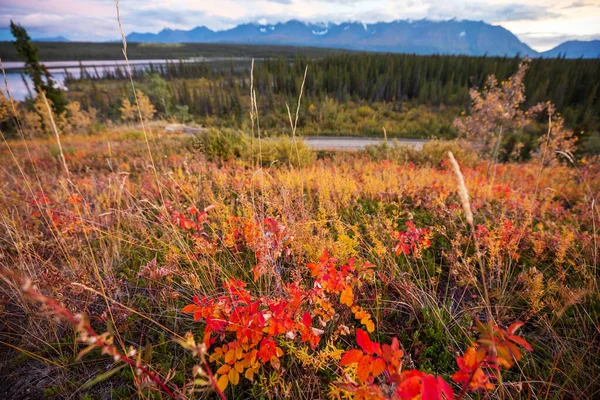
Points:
[238,262]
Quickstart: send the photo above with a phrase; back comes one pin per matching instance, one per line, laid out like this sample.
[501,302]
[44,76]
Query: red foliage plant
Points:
[245,330]
[248,325]
[269,240]
[412,240]
[496,348]
[192,223]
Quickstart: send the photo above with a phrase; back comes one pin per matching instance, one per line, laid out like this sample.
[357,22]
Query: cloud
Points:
[492,12]
[167,18]
[580,4]
[75,23]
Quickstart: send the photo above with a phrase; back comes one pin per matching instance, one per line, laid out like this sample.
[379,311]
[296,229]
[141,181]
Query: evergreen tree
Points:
[33,67]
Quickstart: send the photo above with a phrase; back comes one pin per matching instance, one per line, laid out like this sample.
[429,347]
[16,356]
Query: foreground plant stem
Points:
[82,326]
[211,377]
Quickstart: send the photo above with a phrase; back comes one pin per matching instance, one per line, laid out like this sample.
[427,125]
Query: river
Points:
[20,85]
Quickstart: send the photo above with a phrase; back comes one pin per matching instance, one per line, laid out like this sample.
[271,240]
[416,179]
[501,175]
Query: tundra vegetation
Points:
[142,264]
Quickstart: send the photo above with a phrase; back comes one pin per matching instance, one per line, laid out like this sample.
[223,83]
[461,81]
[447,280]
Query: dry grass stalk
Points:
[462,190]
[62,154]
[466,205]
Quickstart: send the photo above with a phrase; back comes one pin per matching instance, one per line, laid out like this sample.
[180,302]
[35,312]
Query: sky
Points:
[540,24]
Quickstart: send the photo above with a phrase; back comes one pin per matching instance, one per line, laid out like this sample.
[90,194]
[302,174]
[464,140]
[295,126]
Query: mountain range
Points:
[51,39]
[474,38]
[5,35]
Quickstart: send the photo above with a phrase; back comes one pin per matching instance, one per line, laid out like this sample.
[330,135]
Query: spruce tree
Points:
[29,52]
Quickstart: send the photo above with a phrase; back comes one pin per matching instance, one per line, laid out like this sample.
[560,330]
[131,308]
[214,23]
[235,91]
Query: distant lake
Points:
[60,69]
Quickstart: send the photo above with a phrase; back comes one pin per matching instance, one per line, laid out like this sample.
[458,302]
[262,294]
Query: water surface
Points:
[19,83]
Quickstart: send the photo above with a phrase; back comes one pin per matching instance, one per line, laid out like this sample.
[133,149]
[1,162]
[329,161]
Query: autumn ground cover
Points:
[151,269]
[139,264]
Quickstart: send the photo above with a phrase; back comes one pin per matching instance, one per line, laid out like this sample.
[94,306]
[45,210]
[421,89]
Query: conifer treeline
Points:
[573,85]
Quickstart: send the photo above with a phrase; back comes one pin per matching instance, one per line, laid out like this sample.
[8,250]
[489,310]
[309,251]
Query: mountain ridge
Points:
[575,49]
[55,39]
[401,36]
[454,37]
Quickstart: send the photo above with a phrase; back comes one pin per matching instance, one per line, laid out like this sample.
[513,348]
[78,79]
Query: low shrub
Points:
[282,150]
[228,143]
[222,143]
[433,152]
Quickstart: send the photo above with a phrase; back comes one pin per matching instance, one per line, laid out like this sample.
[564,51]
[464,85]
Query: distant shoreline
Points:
[89,51]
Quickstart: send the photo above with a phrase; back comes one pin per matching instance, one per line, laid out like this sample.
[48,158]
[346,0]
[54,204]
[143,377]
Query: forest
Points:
[348,94]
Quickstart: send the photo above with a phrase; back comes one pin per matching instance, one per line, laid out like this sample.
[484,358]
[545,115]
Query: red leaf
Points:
[325,257]
[307,320]
[410,386]
[362,338]
[189,308]
[514,327]
[365,366]
[520,341]
[379,366]
[351,357]
[386,352]
[435,388]
[429,388]
[445,388]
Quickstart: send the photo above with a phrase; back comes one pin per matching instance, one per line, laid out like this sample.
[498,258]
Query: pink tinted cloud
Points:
[96,8]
